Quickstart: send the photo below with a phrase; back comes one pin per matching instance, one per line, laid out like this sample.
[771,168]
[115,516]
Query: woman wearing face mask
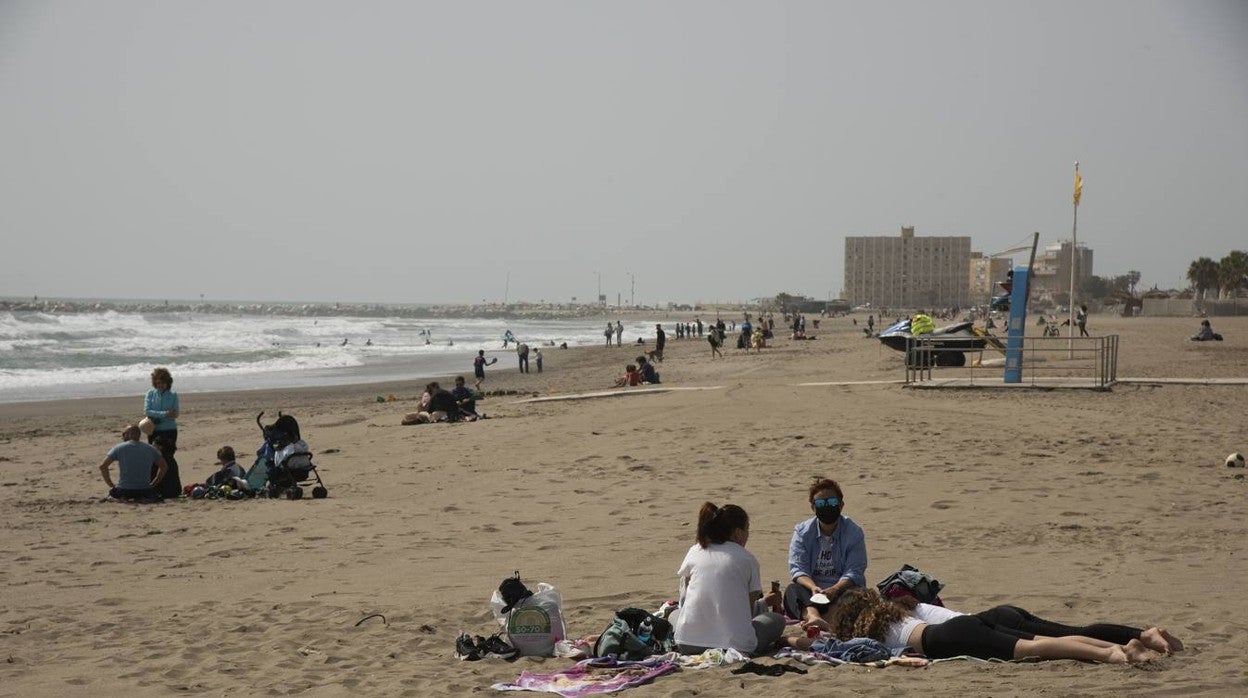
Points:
[828,555]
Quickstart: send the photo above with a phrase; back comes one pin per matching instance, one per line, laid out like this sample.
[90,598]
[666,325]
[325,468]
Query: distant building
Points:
[1051,274]
[985,272]
[907,271]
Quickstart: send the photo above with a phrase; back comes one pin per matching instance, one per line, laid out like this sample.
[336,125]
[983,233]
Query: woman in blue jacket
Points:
[161,406]
[827,555]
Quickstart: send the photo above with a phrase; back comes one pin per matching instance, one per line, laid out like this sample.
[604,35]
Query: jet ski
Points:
[946,344]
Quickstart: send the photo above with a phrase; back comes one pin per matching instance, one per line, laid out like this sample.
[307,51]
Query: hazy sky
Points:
[422,151]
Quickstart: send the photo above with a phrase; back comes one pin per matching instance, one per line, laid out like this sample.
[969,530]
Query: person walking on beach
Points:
[610,331]
[522,352]
[660,339]
[135,460]
[1081,320]
[161,406]
[713,338]
[478,366]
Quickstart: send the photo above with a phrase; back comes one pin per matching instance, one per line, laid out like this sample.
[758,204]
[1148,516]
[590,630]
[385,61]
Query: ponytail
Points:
[716,524]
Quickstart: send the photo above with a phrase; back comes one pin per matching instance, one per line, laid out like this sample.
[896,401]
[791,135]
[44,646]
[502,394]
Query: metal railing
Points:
[1077,362]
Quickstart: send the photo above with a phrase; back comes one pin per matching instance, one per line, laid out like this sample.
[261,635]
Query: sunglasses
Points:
[827,503]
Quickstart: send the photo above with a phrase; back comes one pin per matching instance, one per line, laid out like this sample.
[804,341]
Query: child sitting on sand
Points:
[631,377]
[230,469]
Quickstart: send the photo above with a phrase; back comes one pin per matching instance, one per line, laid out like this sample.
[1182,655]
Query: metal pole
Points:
[1074,256]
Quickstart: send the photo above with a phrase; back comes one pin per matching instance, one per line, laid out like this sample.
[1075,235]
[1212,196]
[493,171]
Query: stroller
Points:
[284,463]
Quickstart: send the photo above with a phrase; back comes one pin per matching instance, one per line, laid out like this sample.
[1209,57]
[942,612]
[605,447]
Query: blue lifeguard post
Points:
[1017,326]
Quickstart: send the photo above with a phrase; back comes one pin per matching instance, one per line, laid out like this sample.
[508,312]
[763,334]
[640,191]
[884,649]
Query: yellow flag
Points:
[1078,186]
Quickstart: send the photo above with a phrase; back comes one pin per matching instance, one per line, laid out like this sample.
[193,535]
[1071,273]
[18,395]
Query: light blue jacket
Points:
[849,549]
[157,404]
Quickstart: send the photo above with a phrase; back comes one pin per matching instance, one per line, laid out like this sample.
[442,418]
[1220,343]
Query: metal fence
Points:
[1078,362]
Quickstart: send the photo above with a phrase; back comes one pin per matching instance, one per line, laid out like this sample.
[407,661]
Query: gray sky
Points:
[421,151]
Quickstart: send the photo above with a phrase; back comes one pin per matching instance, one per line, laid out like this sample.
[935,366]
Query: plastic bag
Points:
[534,624]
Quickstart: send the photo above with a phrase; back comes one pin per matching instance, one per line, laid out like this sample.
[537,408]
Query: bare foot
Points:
[817,623]
[1155,639]
[1137,653]
[1175,644]
[1117,655]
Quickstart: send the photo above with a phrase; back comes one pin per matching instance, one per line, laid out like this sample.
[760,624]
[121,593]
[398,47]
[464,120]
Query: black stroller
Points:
[284,463]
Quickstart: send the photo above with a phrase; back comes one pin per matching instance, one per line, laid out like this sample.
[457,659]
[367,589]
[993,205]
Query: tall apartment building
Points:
[907,271]
[985,272]
[1052,270]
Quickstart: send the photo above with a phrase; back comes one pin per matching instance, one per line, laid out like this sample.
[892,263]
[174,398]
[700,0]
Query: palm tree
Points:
[1203,273]
[1233,273]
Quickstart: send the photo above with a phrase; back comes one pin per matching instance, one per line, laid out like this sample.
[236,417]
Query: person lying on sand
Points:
[938,633]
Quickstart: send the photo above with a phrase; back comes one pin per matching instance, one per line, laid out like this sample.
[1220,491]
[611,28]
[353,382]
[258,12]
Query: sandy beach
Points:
[1077,505]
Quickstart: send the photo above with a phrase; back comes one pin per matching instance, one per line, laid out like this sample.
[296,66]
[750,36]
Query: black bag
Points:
[623,637]
[909,581]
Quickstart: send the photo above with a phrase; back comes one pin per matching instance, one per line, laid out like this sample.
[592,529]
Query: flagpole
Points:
[1074,255]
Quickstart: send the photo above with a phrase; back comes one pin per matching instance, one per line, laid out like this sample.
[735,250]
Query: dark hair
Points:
[225,454]
[630,368]
[640,359]
[860,612]
[825,484]
[716,524]
[459,379]
[162,374]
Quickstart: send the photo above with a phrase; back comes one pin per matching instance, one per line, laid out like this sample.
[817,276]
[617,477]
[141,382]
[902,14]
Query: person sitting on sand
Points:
[465,400]
[134,465]
[646,369]
[631,377]
[1206,333]
[827,555]
[938,633]
[230,473]
[721,589]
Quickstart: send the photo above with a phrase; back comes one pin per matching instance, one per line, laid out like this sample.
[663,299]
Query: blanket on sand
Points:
[592,677]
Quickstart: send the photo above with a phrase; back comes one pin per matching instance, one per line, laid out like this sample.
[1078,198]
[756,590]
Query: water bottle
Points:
[645,630]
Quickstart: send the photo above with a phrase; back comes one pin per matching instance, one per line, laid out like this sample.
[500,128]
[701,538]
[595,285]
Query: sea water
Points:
[48,356]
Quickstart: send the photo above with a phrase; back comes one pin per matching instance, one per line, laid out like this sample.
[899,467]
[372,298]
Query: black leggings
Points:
[1013,618]
[971,636]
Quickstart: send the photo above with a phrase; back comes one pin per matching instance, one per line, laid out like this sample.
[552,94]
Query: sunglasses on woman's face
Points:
[827,502]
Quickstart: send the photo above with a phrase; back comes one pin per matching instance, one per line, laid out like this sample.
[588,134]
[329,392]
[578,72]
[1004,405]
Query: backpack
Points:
[909,581]
[623,637]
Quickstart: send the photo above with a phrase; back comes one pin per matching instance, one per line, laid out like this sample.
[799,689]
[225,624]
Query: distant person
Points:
[507,338]
[713,339]
[1081,320]
[465,400]
[648,374]
[134,468]
[230,471]
[1206,333]
[610,331]
[631,377]
[619,333]
[478,366]
[660,340]
[522,353]
[170,486]
[871,324]
[537,358]
[161,406]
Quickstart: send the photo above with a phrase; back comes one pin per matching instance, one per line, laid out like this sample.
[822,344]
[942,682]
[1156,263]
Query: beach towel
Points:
[592,677]
[709,659]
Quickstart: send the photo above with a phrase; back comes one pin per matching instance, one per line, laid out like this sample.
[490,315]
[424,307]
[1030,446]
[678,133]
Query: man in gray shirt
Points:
[134,464]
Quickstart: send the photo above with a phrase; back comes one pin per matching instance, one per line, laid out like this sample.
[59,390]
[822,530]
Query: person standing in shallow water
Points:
[161,406]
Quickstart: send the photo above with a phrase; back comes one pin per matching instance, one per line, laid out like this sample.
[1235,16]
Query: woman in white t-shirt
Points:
[721,599]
